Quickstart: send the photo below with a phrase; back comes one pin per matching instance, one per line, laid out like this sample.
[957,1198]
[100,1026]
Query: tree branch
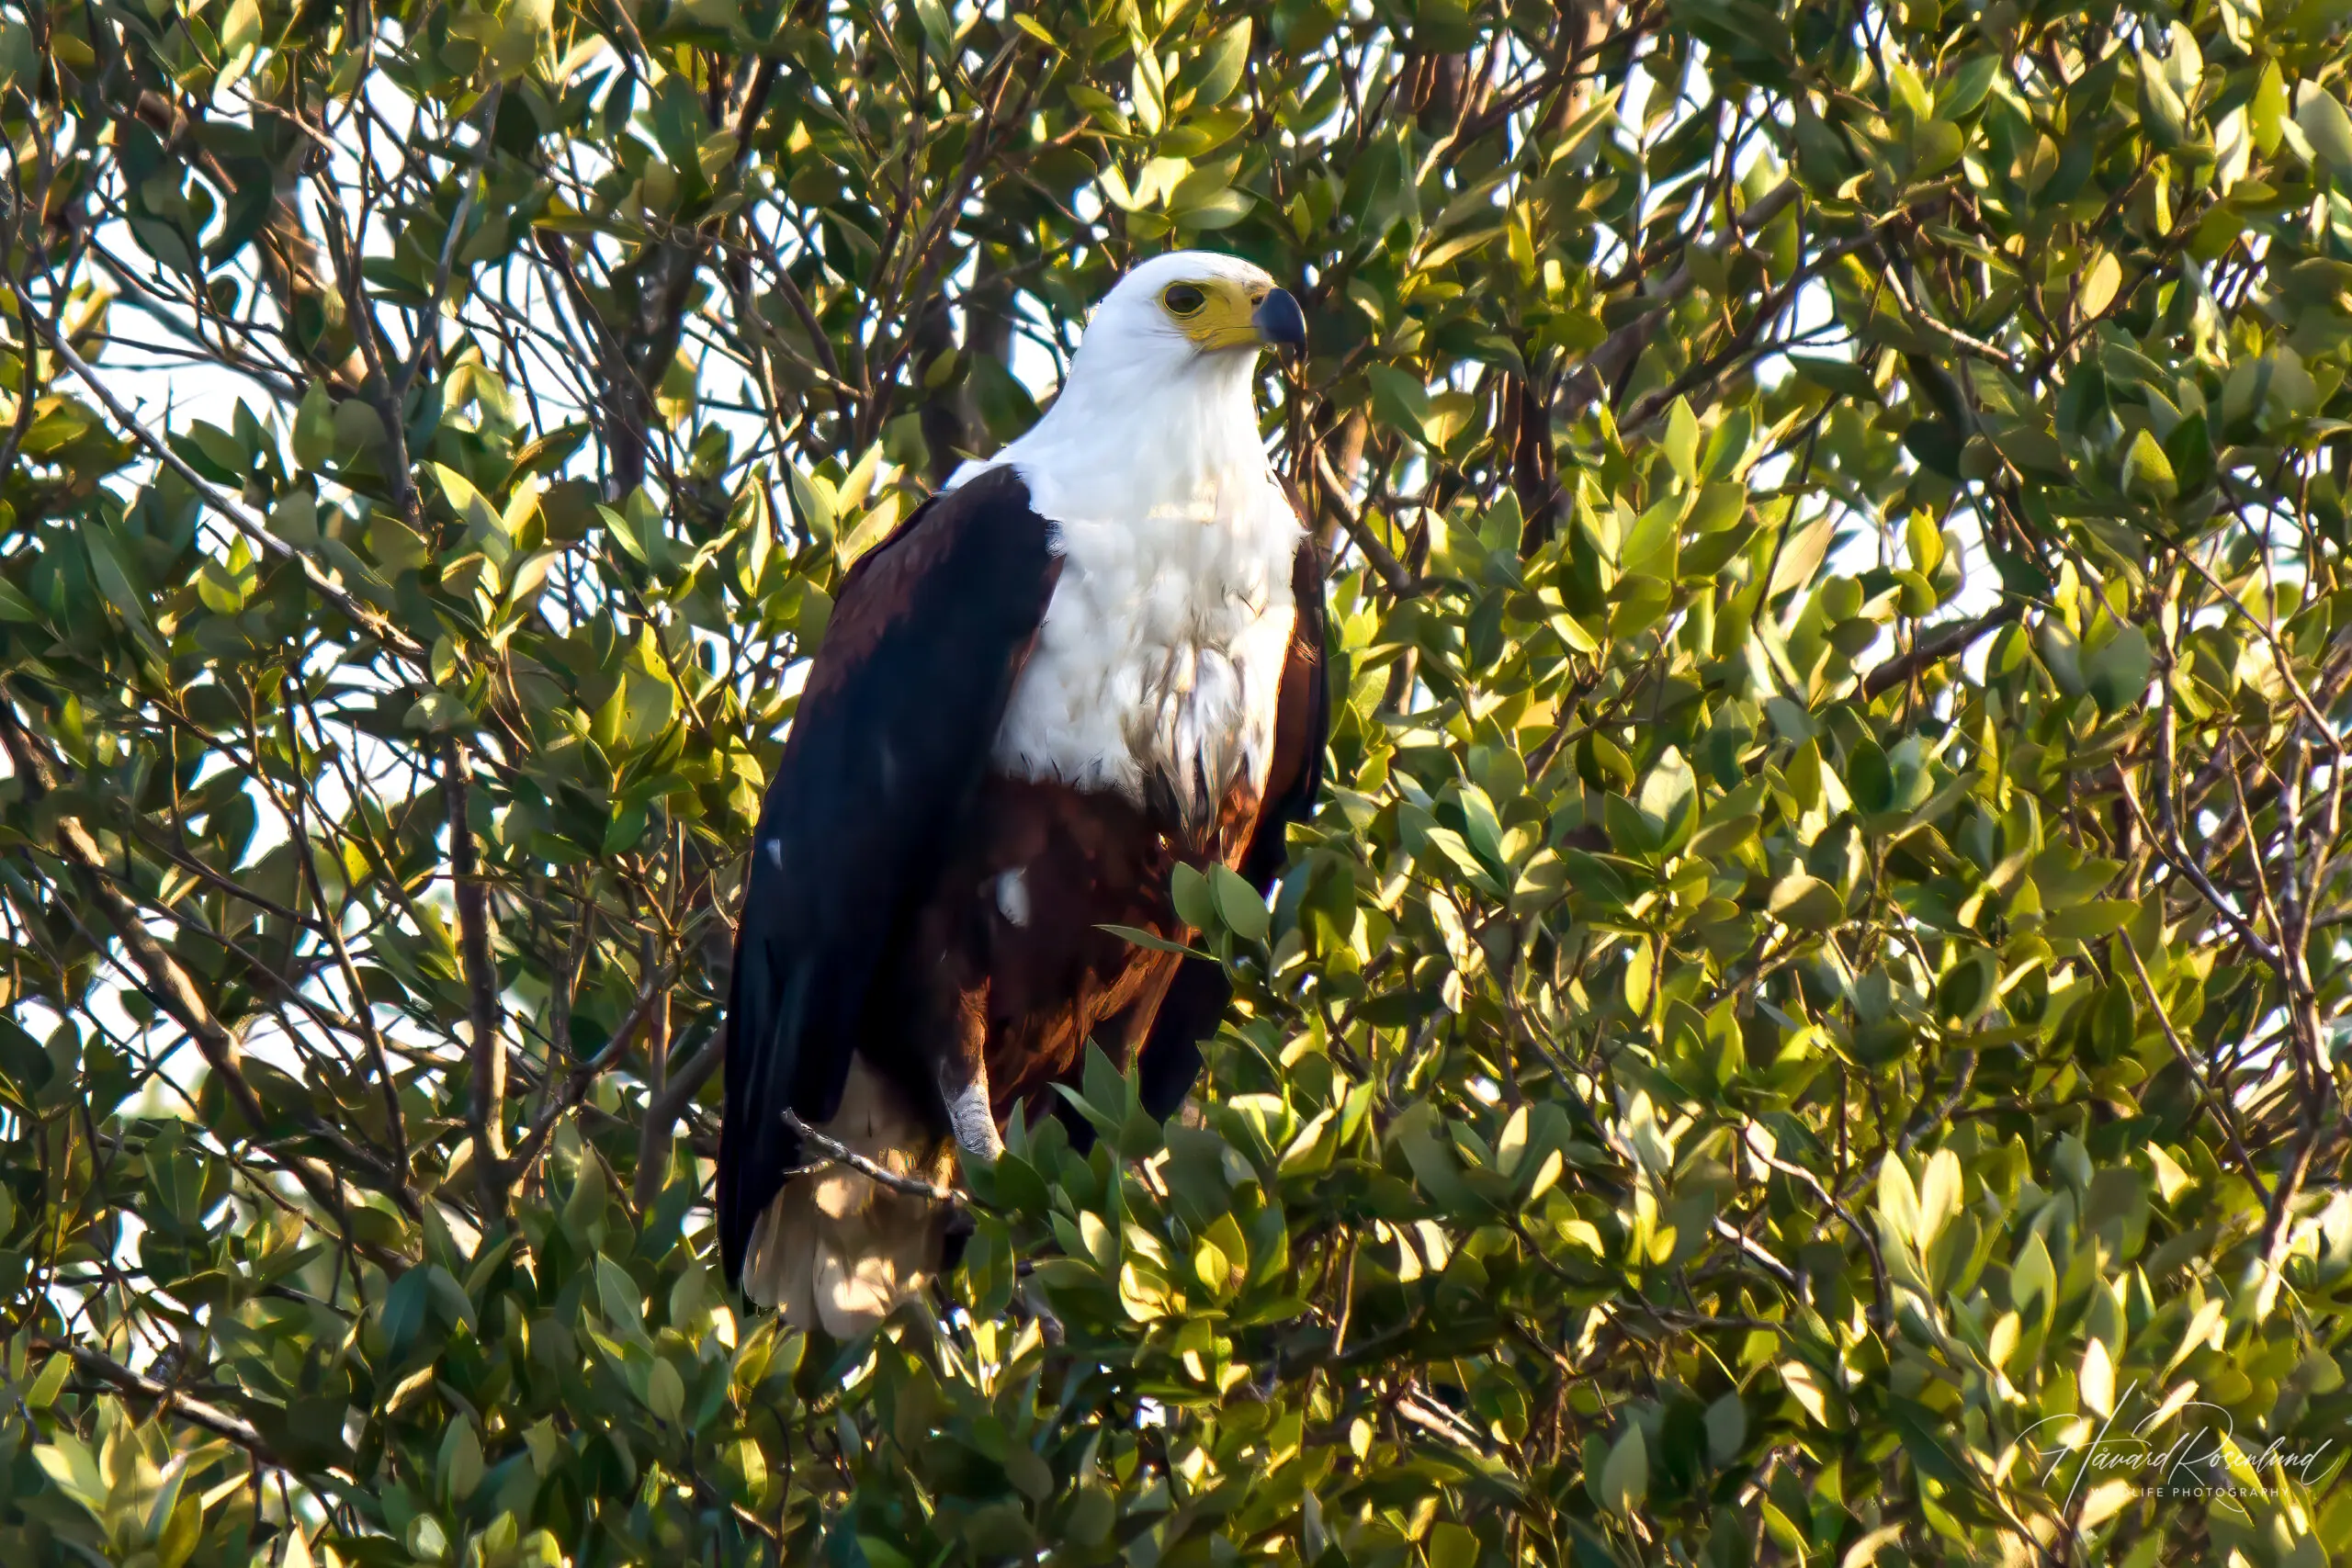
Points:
[653,1140]
[1936,646]
[840,1153]
[680,1091]
[488,1061]
[575,1087]
[186,1407]
[1385,564]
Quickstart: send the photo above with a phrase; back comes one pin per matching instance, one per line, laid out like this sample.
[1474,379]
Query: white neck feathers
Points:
[1158,669]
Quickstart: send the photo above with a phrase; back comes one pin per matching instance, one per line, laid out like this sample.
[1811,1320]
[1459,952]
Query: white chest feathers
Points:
[1157,671]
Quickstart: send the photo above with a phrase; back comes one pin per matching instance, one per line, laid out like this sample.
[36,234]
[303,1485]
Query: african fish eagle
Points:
[1090,658]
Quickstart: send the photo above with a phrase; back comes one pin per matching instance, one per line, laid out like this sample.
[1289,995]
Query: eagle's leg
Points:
[974,1122]
[964,1083]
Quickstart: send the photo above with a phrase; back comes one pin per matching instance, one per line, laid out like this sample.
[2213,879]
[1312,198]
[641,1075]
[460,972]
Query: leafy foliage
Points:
[1811,1013]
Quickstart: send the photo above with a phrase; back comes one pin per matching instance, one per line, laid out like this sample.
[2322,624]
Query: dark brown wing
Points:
[886,748]
[1197,996]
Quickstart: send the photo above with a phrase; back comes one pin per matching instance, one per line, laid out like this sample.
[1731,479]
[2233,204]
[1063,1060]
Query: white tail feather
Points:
[838,1251]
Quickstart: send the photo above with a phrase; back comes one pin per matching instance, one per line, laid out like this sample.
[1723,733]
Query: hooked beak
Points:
[1280,322]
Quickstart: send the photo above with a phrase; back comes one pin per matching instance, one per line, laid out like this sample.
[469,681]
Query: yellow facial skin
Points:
[1220,314]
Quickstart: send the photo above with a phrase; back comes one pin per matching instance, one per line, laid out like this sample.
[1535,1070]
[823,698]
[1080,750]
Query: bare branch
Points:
[488,1061]
[653,1141]
[1392,571]
[1936,646]
[842,1154]
[168,1400]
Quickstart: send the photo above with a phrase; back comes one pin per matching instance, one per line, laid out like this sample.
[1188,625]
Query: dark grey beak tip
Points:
[1281,321]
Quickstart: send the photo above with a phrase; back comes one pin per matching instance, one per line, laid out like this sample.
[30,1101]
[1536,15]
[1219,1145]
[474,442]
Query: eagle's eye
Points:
[1183,300]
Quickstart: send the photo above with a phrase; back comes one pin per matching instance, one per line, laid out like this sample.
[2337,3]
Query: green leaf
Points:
[73,1470]
[2031,1277]
[1942,1189]
[481,519]
[1806,903]
[2088,922]
[2118,672]
[19,63]
[1960,93]
[1727,1422]
[1221,65]
[240,27]
[1401,401]
[619,1298]
[1625,1478]
[44,1389]
[2147,472]
[665,1393]
[113,583]
[2321,117]
[1239,904]
[458,1466]
[1680,441]
[1452,1546]
[1144,939]
[14,607]
[1898,1200]
[2101,281]
[1869,779]
[2162,110]
[1669,798]
[314,427]
[812,500]
[2269,110]
[1841,377]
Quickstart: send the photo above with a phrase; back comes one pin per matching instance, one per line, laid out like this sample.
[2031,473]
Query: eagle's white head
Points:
[1156,412]
[1188,316]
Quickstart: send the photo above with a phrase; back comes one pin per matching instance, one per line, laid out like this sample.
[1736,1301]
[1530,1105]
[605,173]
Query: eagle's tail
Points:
[837,1251]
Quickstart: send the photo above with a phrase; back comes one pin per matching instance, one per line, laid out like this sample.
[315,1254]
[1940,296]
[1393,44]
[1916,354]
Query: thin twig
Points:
[653,1139]
[1883,1316]
[2175,853]
[1618,352]
[684,1085]
[169,987]
[1756,1253]
[1434,1418]
[842,1154]
[427,334]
